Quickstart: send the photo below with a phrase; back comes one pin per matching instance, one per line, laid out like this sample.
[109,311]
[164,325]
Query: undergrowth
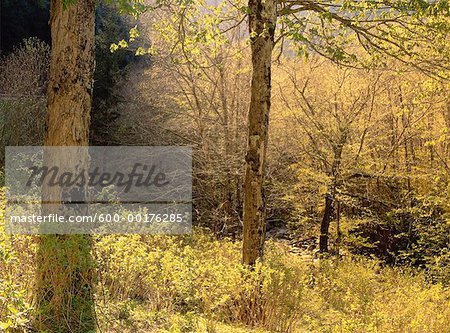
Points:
[195,283]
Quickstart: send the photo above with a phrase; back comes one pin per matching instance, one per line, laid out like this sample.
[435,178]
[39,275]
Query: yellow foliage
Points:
[195,283]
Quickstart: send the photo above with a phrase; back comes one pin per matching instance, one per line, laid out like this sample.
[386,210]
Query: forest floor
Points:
[195,283]
[203,288]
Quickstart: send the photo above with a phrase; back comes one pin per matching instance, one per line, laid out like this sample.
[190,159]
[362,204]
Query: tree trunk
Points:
[262,21]
[338,227]
[64,276]
[325,225]
[331,195]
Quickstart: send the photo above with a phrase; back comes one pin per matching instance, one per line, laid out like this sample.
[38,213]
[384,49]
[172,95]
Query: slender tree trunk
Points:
[430,130]
[262,21]
[325,225]
[64,276]
[338,227]
[228,145]
[331,194]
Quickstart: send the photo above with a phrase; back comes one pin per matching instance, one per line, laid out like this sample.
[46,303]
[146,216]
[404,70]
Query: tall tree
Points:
[262,22]
[63,286]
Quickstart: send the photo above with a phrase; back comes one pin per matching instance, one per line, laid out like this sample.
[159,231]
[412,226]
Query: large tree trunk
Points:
[262,21]
[64,276]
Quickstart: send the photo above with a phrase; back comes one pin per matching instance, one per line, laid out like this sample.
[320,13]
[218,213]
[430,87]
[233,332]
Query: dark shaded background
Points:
[22,19]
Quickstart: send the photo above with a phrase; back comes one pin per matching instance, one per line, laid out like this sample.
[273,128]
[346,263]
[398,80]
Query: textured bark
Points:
[71,73]
[262,20]
[64,275]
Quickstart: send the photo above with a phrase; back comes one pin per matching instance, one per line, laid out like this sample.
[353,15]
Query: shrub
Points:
[24,72]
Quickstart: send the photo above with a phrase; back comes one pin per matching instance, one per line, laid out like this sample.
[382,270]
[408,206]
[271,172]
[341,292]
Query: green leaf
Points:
[140,51]
[12,309]
[123,43]
[5,325]
[113,48]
